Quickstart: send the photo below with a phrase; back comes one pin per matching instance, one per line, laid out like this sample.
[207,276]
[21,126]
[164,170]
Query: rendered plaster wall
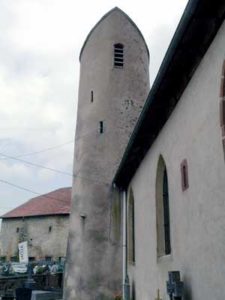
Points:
[42,242]
[94,269]
[197,215]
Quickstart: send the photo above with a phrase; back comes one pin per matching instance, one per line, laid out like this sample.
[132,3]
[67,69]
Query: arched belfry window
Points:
[131,228]
[118,55]
[162,210]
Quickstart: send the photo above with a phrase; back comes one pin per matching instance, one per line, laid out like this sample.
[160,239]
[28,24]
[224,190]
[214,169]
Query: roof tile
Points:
[57,202]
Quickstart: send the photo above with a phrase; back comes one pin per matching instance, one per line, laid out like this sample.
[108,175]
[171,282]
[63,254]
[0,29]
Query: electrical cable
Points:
[51,169]
[53,147]
[28,190]
[37,193]
[36,165]
[45,150]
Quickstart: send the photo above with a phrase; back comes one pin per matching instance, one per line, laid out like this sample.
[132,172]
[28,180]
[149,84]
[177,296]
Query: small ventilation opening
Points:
[118,55]
[92,96]
[101,127]
[184,175]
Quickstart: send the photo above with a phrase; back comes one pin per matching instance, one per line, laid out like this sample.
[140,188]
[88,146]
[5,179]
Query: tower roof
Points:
[103,18]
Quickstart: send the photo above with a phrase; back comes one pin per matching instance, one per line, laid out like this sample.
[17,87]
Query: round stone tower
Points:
[114,84]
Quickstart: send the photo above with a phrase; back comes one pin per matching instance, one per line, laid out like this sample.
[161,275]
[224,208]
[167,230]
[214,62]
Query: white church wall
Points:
[197,215]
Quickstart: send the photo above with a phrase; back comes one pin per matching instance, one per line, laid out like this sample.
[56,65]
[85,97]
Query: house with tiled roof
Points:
[43,222]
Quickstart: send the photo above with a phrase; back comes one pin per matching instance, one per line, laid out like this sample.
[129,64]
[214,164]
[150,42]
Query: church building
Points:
[148,216]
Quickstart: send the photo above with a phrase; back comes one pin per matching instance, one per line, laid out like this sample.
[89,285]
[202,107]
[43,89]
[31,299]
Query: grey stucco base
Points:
[94,269]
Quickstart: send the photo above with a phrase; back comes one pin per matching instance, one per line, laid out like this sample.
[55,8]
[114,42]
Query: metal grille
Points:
[118,55]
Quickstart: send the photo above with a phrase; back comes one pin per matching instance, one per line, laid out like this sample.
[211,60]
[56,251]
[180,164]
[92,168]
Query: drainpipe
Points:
[125,277]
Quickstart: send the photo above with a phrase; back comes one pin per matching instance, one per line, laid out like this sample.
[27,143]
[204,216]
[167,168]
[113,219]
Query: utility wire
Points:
[35,165]
[24,128]
[53,147]
[45,150]
[37,193]
[28,190]
[57,146]
[54,170]
[41,166]
[85,134]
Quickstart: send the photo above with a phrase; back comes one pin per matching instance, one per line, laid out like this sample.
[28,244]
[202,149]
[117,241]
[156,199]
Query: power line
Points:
[34,192]
[53,170]
[41,166]
[27,190]
[36,165]
[45,150]
[53,147]
[85,134]
[57,146]
[25,129]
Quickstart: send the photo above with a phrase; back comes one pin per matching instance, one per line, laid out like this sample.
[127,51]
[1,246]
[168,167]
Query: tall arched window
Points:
[222,106]
[131,228]
[118,55]
[162,210]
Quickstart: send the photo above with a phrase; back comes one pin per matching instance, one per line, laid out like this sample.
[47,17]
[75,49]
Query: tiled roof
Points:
[57,202]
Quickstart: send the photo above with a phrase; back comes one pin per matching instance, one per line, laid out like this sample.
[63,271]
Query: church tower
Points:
[114,83]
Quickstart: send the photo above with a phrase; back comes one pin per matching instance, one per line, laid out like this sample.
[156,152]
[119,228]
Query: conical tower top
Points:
[115,10]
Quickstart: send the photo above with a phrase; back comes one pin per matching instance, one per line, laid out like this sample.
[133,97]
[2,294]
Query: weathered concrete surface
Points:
[94,267]
[197,215]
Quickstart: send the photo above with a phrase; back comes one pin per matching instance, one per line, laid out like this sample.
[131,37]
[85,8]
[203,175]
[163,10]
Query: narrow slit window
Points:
[118,55]
[184,175]
[166,214]
[92,96]
[162,210]
[50,229]
[101,127]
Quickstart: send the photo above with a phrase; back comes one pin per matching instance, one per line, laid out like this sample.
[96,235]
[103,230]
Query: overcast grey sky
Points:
[40,41]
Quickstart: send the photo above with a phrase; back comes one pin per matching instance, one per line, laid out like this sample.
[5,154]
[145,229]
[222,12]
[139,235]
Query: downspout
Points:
[125,277]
